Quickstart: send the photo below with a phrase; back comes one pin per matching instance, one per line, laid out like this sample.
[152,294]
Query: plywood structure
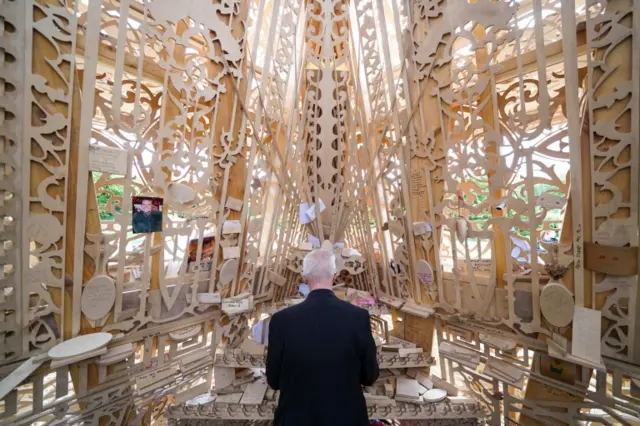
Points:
[473,164]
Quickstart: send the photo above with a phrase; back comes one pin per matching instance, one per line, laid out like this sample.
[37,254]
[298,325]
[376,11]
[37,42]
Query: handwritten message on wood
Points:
[107,160]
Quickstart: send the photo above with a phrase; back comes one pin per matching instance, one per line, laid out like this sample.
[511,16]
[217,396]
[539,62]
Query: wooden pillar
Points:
[427,190]
[496,187]
[43,50]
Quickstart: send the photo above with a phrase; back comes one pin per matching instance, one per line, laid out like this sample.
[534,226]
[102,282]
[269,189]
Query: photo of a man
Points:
[147,215]
[208,248]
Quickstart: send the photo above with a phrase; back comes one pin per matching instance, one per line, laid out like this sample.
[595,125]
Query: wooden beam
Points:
[552,51]
[107,56]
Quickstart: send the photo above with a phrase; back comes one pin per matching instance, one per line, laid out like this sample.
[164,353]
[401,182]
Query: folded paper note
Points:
[231,227]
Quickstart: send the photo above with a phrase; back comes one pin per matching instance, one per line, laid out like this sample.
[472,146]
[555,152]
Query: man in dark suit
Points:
[321,352]
[147,219]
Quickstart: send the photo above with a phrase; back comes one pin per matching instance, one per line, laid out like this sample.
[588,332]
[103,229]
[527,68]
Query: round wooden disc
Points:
[424,272]
[98,296]
[185,333]
[434,395]
[228,271]
[556,304]
[80,345]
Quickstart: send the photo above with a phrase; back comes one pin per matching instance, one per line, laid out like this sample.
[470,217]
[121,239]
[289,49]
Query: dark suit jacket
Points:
[145,223]
[321,352]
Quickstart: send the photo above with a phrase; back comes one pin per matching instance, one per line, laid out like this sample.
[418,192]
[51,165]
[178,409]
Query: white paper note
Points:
[407,388]
[586,334]
[107,160]
[311,211]
[231,252]
[254,394]
[302,214]
[234,204]
[421,228]
[232,307]
[208,298]
[315,241]
[231,227]
[223,376]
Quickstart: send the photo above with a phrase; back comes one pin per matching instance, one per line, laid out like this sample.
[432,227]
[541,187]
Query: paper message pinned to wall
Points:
[107,160]
[315,241]
[230,252]
[586,334]
[231,227]
[311,212]
[418,183]
[616,232]
[208,298]
[302,214]
[421,228]
[234,204]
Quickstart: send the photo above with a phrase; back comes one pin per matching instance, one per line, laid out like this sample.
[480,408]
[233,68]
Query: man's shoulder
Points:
[286,312]
[350,309]
[355,310]
[302,308]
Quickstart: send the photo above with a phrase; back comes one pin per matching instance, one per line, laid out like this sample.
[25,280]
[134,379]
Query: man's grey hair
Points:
[319,265]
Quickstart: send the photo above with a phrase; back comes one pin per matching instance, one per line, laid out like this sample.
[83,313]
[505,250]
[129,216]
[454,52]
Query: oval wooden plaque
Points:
[80,345]
[424,272]
[98,296]
[185,333]
[434,395]
[228,271]
[556,304]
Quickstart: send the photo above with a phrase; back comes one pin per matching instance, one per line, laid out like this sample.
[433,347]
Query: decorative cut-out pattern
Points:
[495,141]
[612,115]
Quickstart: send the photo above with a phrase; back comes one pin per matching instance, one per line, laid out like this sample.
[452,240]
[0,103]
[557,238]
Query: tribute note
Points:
[108,160]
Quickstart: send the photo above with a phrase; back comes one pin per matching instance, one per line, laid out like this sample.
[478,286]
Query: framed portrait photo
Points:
[147,214]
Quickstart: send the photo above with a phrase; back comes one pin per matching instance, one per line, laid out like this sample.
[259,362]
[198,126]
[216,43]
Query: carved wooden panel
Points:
[12,88]
[611,113]
[489,139]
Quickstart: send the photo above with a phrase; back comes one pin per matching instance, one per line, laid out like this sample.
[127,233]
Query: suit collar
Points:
[321,293]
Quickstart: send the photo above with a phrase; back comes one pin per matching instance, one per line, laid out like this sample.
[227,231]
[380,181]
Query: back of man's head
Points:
[319,268]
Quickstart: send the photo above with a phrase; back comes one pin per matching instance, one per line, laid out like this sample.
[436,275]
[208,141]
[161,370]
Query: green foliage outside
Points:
[539,188]
[102,198]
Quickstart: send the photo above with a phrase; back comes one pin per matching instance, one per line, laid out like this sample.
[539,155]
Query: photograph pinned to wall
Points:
[360,298]
[147,214]
[208,248]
